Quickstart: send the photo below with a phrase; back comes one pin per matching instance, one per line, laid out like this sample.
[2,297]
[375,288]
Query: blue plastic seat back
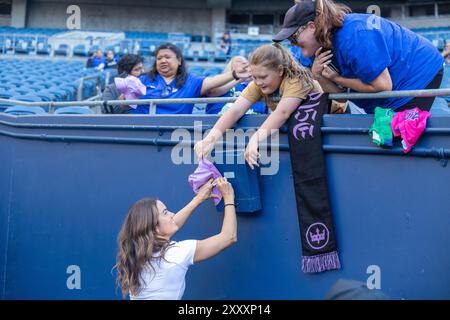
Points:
[74,110]
[21,110]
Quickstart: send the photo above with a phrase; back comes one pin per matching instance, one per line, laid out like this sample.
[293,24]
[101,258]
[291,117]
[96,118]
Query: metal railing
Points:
[153,102]
[98,85]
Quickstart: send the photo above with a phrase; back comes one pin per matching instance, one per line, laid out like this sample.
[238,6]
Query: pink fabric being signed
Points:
[131,87]
[409,124]
[205,171]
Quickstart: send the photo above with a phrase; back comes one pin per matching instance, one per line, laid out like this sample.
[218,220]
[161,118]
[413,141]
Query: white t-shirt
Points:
[168,280]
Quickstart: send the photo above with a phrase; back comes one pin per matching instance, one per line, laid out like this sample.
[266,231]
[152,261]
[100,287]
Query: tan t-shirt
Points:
[289,88]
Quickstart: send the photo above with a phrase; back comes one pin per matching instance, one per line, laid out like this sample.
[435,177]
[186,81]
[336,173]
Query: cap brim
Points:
[284,34]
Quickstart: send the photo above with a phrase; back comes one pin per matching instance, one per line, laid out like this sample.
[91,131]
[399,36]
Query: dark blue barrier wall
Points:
[66,184]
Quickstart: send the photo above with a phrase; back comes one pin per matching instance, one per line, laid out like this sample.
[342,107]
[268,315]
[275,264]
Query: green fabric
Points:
[381,130]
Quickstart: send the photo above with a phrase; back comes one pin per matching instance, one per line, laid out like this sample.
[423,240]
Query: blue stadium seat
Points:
[23,45]
[60,94]
[21,110]
[63,50]
[30,97]
[80,50]
[43,48]
[197,70]
[74,110]
[210,72]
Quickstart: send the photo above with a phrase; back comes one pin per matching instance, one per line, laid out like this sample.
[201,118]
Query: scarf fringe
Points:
[320,263]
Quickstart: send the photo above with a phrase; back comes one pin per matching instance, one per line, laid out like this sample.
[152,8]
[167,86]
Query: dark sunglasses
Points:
[293,39]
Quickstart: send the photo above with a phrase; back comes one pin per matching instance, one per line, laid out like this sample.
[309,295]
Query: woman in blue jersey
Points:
[169,79]
[363,53]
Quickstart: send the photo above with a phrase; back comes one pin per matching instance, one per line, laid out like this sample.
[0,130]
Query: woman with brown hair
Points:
[152,267]
[363,53]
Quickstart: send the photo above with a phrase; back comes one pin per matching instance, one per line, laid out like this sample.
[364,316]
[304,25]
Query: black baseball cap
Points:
[296,17]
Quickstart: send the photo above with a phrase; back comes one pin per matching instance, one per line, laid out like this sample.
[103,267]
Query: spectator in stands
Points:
[97,60]
[169,79]
[363,53]
[275,73]
[446,53]
[111,60]
[152,267]
[225,43]
[234,90]
[129,64]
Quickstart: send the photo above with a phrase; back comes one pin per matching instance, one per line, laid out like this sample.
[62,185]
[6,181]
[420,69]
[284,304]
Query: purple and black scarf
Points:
[319,248]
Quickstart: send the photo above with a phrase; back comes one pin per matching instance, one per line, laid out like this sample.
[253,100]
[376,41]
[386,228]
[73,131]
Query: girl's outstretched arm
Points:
[285,108]
[226,121]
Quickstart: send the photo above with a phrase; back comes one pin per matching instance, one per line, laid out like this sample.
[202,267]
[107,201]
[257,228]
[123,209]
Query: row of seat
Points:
[43,80]
[21,110]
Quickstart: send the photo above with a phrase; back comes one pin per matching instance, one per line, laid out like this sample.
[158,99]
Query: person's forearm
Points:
[328,85]
[216,81]
[220,91]
[181,216]
[273,122]
[229,225]
[356,85]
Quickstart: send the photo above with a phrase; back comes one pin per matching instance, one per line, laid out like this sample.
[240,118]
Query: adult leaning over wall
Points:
[363,53]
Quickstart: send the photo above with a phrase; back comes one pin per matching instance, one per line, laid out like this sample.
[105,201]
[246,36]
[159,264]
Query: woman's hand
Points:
[122,97]
[251,153]
[319,62]
[205,191]
[241,67]
[203,148]
[329,73]
[226,189]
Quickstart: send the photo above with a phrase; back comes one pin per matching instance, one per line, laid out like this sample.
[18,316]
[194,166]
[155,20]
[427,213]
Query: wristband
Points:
[235,76]
[229,204]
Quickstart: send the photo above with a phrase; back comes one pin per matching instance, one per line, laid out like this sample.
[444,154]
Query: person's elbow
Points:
[229,239]
[383,82]
[384,86]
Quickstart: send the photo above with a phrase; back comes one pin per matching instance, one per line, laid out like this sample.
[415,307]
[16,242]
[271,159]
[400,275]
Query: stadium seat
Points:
[74,110]
[21,110]
[43,48]
[63,50]
[210,72]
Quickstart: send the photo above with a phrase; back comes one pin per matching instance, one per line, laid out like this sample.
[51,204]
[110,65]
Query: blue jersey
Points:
[366,45]
[98,61]
[158,89]
[297,53]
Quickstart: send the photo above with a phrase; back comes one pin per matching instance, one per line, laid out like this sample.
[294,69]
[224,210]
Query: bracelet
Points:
[229,204]
[235,76]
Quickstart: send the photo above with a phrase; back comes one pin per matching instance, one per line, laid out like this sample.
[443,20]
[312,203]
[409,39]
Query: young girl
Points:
[275,73]
[152,267]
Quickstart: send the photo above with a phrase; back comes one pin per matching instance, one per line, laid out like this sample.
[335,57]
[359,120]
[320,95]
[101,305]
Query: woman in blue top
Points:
[169,79]
[363,53]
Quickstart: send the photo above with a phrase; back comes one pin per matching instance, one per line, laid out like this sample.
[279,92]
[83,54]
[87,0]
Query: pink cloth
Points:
[409,124]
[131,87]
[205,171]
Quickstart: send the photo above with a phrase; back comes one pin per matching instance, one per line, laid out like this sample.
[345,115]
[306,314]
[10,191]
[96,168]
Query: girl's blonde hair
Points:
[273,55]
[329,16]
